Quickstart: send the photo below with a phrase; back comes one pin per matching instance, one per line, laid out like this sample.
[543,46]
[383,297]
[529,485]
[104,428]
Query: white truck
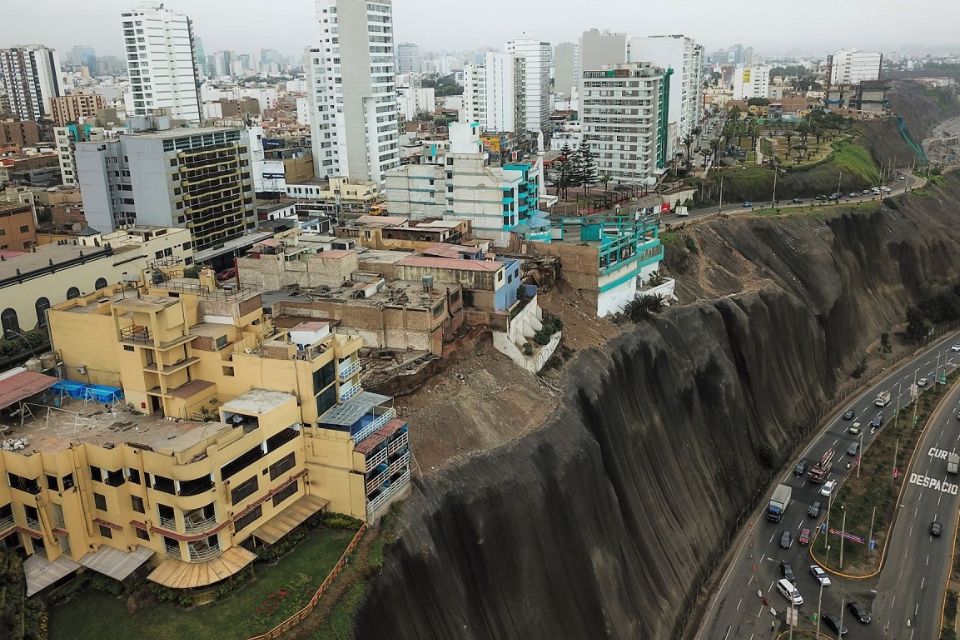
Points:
[682,212]
[779,502]
[953,462]
[883,399]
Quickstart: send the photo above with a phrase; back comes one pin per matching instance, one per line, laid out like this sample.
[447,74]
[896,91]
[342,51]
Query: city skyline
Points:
[292,27]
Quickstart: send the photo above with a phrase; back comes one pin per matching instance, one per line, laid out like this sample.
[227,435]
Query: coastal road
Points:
[897,187]
[735,609]
[911,585]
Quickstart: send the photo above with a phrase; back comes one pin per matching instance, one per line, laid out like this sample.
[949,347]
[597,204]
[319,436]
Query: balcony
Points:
[171,368]
[375,423]
[347,371]
[173,552]
[204,554]
[170,524]
[6,523]
[349,393]
[399,464]
[376,459]
[34,524]
[196,526]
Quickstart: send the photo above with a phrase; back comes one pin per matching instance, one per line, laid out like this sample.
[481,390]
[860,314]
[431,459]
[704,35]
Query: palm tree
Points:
[688,142]
[714,148]
[605,178]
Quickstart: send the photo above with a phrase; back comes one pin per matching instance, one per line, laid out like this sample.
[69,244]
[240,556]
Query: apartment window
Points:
[284,493]
[143,535]
[25,228]
[127,347]
[105,532]
[137,504]
[96,474]
[68,481]
[243,490]
[284,464]
[245,521]
[52,483]
[100,501]
[133,475]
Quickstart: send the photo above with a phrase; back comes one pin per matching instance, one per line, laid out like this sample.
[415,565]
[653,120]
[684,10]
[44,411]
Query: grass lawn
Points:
[97,616]
[875,486]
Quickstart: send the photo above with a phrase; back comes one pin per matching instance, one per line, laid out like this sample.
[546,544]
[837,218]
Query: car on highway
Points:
[814,510]
[747,205]
[859,612]
[787,572]
[922,382]
[827,489]
[797,201]
[834,623]
[936,529]
[877,421]
[865,192]
[820,575]
[790,592]
[804,537]
[801,468]
[853,449]
[786,540]
[887,190]
[955,348]
[849,414]
[852,194]
[821,197]
[902,178]
[854,428]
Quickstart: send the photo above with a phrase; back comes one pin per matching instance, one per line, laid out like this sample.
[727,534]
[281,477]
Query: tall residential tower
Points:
[536,56]
[353,115]
[160,62]
[31,75]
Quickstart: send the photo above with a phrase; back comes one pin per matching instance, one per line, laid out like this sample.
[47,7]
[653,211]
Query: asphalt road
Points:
[911,585]
[736,610]
[897,187]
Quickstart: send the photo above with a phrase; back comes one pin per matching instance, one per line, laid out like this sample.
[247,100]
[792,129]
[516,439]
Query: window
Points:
[25,228]
[41,305]
[243,490]
[105,532]
[284,464]
[326,400]
[284,493]
[137,503]
[100,501]
[72,293]
[101,283]
[68,481]
[96,474]
[133,475]
[143,535]
[127,347]
[246,520]
[9,320]
[52,483]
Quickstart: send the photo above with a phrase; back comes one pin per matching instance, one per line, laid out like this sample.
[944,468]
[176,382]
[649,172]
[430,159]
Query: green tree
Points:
[918,326]
[605,178]
[643,307]
[564,166]
[688,142]
[586,166]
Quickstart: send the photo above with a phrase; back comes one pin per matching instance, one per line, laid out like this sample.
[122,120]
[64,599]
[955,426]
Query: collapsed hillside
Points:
[606,521]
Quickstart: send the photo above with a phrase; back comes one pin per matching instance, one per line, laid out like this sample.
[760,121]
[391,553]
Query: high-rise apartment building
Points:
[493,94]
[84,56]
[598,49]
[160,62]
[853,67]
[623,117]
[31,75]
[354,123]
[75,107]
[200,179]
[408,58]
[751,82]
[536,56]
[564,68]
[685,57]
[66,138]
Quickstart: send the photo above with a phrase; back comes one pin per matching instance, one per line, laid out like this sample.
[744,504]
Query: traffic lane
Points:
[911,586]
[751,569]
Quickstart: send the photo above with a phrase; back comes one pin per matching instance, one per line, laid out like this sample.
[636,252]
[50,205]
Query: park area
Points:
[274,592]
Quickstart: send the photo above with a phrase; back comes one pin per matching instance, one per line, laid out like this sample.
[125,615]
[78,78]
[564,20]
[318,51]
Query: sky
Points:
[771,27]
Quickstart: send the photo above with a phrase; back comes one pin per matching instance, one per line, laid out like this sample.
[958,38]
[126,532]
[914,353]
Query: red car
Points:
[804,537]
[227,274]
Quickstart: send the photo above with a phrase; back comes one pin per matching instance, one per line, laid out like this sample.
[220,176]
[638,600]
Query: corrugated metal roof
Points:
[451,263]
[22,385]
[347,413]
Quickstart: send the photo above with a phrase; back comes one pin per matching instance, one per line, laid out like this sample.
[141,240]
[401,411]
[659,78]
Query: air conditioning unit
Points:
[82,369]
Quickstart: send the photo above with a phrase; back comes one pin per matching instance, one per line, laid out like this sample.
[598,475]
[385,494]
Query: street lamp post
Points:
[819,602]
[843,531]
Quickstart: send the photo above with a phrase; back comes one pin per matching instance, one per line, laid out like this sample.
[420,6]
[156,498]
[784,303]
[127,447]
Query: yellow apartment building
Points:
[229,435]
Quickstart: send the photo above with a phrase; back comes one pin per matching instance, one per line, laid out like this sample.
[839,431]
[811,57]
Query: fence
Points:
[300,615]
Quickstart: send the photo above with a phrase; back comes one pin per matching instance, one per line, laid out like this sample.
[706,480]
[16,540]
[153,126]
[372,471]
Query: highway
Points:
[736,609]
[911,586]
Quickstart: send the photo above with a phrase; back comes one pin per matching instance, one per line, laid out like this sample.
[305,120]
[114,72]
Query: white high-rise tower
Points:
[31,75]
[536,56]
[160,62]
[353,115]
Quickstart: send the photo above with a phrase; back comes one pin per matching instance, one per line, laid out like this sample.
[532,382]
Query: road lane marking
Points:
[762,557]
[759,612]
[922,581]
[771,538]
[911,531]
[915,610]
[928,559]
[738,609]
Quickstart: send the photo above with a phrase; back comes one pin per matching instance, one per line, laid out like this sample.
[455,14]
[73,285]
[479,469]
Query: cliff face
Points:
[606,521]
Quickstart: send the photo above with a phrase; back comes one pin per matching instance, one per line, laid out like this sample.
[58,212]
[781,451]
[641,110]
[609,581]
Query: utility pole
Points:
[839,177]
[720,208]
[916,401]
[773,202]
[843,603]
[826,534]
[860,454]
[843,532]
[819,602]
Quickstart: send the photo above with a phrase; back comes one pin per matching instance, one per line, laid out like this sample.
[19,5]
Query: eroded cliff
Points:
[606,521]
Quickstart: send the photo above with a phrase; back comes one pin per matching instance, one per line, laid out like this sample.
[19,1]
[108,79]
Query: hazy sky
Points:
[288,25]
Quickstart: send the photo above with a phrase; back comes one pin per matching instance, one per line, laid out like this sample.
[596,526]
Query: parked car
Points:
[854,428]
[790,592]
[887,190]
[797,201]
[747,205]
[801,468]
[834,623]
[787,572]
[865,192]
[821,197]
[786,540]
[936,529]
[955,348]
[827,489]
[859,612]
[849,414]
[804,537]
[819,575]
[853,449]
[853,195]
[227,274]
[902,178]
[922,382]
[814,510]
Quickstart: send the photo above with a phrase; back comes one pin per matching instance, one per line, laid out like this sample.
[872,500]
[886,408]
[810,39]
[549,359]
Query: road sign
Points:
[793,617]
[847,535]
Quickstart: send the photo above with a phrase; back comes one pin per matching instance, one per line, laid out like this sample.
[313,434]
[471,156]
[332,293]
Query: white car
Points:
[820,575]
[922,382]
[955,348]
[854,428]
[827,489]
[790,592]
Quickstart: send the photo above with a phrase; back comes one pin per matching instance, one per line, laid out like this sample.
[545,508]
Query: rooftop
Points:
[58,254]
[451,263]
[181,132]
[257,402]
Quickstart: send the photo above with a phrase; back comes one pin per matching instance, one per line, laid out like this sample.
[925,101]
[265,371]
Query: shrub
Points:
[192,272]
[542,337]
[526,349]
[860,369]
[340,521]
[690,244]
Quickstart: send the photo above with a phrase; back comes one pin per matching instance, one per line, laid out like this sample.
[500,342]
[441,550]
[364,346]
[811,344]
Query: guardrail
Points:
[299,616]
